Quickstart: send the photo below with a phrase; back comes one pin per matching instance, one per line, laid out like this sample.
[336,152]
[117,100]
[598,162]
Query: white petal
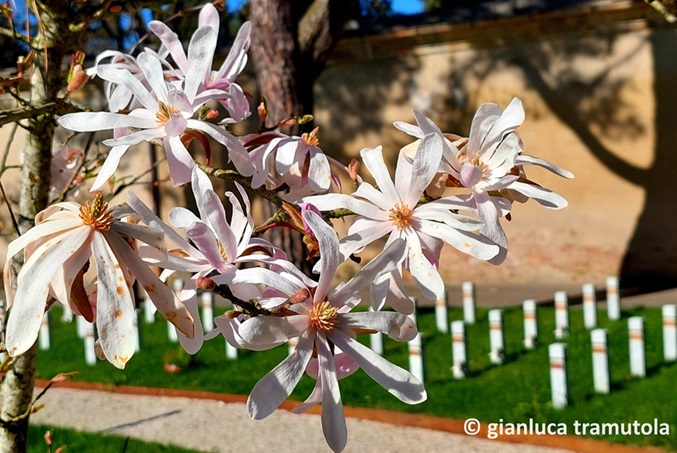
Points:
[426,276]
[336,200]
[200,55]
[270,329]
[329,251]
[373,160]
[333,419]
[130,82]
[426,162]
[109,166]
[101,121]
[277,385]
[397,326]
[394,379]
[526,159]
[543,196]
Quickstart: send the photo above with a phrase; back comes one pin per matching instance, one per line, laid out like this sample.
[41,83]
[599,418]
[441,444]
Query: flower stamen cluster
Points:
[401,215]
[323,316]
[96,214]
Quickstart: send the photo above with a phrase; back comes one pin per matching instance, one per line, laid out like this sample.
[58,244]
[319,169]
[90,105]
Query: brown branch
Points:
[59,107]
[662,10]
[232,175]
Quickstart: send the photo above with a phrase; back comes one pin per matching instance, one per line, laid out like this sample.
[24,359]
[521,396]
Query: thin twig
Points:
[5,154]
[662,10]
[136,178]
[11,212]
[58,107]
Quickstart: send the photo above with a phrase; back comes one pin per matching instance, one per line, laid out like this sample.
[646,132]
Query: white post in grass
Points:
[496,339]
[469,302]
[67,314]
[669,332]
[600,360]
[137,331]
[291,345]
[43,336]
[81,326]
[561,315]
[558,375]
[90,351]
[415,346]
[441,316]
[613,299]
[589,306]
[636,335]
[231,351]
[149,307]
[459,350]
[177,285]
[207,299]
[376,340]
[530,324]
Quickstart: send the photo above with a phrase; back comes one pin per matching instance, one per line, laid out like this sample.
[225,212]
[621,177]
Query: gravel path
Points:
[214,426]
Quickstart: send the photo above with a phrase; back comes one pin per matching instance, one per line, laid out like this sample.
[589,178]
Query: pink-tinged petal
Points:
[171,42]
[109,166]
[511,118]
[313,400]
[39,231]
[205,240]
[229,329]
[134,138]
[237,57]
[543,196]
[115,308]
[410,129]
[269,278]
[236,151]
[470,174]
[200,54]
[367,192]
[358,240]
[101,121]
[426,162]
[34,278]
[395,294]
[237,103]
[277,385]
[319,173]
[290,156]
[179,160]
[269,329]
[482,123]
[491,226]
[387,261]
[331,201]
[176,126]
[333,418]
[152,69]
[209,17]
[182,218]
[188,296]
[427,278]
[524,159]
[397,326]
[373,160]
[395,380]
[329,251]
[163,298]
[153,236]
[130,82]
[64,278]
[503,159]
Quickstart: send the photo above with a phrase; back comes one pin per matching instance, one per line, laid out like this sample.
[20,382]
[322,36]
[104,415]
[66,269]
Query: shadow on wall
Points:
[584,104]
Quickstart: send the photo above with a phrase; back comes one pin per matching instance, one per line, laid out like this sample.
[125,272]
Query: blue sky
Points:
[399,6]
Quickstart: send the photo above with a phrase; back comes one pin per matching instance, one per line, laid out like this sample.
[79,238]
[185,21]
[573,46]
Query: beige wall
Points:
[587,84]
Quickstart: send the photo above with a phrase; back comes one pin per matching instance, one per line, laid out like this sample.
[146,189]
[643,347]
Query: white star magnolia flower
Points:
[491,161]
[216,246]
[57,249]
[165,114]
[393,210]
[197,66]
[324,324]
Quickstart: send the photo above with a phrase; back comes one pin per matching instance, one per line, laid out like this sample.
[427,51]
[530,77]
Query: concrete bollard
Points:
[137,331]
[613,299]
[149,307]
[589,306]
[530,324]
[44,339]
[496,339]
[207,300]
[469,302]
[459,350]
[177,286]
[636,336]
[67,314]
[669,332]
[81,326]
[600,360]
[441,314]
[558,375]
[561,315]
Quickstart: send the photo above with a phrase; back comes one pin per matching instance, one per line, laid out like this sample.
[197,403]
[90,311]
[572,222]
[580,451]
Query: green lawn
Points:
[74,441]
[513,392]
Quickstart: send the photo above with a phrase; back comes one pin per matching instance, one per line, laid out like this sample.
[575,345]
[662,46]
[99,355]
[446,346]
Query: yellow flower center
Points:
[96,215]
[222,251]
[323,316]
[311,138]
[401,215]
[164,113]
